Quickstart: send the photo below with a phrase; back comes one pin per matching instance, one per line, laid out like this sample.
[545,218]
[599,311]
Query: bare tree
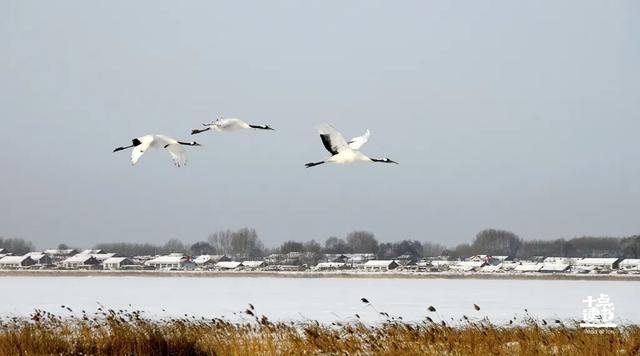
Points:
[335,245]
[362,242]
[16,246]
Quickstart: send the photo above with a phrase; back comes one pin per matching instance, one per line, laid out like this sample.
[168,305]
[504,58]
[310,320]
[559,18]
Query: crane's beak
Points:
[390,161]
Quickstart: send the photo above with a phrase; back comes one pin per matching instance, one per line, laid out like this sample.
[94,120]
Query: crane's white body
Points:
[228,125]
[341,151]
[144,143]
[348,156]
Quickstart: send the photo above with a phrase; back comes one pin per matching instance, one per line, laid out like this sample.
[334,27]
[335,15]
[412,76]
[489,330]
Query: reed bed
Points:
[122,332]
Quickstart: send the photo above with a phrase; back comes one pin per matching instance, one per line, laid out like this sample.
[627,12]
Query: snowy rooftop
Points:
[170,259]
[253,264]
[80,258]
[228,264]
[117,260]
[378,263]
[554,267]
[630,262]
[528,267]
[12,259]
[331,265]
[592,261]
[207,258]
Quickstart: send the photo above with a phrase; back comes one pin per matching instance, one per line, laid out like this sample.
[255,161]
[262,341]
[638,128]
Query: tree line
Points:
[244,243]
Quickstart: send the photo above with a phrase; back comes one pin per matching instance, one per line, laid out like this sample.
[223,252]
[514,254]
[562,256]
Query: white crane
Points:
[174,147]
[229,124]
[342,151]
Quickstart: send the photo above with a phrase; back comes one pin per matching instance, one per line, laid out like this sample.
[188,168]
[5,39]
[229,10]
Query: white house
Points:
[116,263]
[490,268]
[10,262]
[327,266]
[253,264]
[228,265]
[528,267]
[468,266]
[40,258]
[80,261]
[443,264]
[549,267]
[209,260]
[603,263]
[380,265]
[172,261]
[630,264]
[564,260]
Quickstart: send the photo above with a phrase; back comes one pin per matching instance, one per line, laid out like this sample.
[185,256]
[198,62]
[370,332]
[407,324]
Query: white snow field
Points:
[322,299]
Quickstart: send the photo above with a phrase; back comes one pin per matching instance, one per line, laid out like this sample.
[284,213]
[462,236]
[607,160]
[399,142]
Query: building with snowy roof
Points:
[630,263]
[328,266]
[467,266]
[80,261]
[603,263]
[175,261]
[117,263]
[40,258]
[228,265]
[59,255]
[548,267]
[380,265]
[253,264]
[12,262]
[209,260]
[528,267]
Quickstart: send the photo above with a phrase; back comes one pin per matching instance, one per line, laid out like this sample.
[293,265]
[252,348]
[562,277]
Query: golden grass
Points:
[129,333]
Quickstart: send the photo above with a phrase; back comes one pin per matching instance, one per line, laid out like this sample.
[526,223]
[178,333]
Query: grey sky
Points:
[514,115]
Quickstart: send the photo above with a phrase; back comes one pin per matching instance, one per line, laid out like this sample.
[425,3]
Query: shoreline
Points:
[337,274]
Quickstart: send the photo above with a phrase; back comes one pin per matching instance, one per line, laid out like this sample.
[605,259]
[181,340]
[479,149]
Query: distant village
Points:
[96,259]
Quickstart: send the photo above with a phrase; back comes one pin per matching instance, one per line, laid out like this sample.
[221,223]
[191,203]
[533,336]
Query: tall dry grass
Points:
[111,332]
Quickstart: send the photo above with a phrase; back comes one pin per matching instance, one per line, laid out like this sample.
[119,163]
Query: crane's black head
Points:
[192,143]
[261,127]
[383,160]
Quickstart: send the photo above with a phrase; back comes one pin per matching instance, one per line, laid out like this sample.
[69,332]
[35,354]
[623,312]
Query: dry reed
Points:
[123,332]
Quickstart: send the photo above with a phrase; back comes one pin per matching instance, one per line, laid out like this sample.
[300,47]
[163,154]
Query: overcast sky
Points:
[516,115]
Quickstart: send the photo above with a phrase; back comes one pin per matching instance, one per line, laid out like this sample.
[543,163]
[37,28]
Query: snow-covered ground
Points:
[323,299]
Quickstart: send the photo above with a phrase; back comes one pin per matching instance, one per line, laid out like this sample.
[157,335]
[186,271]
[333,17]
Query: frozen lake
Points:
[323,299]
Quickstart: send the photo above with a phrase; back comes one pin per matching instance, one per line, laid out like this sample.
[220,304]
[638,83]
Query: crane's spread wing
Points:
[174,148]
[357,142]
[140,149]
[177,154]
[332,139]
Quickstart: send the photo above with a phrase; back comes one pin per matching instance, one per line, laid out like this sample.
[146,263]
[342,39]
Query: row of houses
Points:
[98,259]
